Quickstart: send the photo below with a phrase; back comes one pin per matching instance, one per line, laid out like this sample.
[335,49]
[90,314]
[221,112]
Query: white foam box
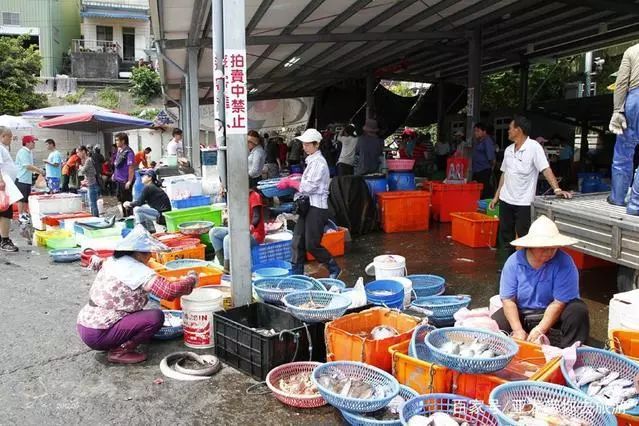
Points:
[178,187]
[41,205]
[623,310]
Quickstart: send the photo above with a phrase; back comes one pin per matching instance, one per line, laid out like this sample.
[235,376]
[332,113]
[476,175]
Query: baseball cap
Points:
[28,138]
[150,173]
[310,135]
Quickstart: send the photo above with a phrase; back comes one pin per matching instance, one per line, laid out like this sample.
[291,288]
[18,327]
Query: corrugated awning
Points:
[99,12]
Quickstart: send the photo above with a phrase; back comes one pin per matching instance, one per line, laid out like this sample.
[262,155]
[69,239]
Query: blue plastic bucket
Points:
[283,264]
[387,293]
[376,184]
[401,181]
[138,186]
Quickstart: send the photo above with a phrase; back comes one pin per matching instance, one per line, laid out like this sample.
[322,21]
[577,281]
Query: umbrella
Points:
[96,122]
[56,111]
[15,123]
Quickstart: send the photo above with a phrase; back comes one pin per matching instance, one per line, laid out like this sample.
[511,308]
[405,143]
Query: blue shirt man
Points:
[483,153]
[24,159]
[53,163]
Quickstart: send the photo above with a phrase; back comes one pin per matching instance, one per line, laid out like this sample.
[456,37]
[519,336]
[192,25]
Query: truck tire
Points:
[627,279]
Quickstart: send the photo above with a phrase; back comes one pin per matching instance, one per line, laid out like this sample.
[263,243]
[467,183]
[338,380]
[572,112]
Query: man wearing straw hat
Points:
[539,288]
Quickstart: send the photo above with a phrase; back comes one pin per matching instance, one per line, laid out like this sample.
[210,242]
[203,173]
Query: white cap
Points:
[310,135]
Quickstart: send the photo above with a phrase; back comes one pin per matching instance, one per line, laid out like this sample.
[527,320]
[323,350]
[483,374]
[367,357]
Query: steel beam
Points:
[201,9]
[259,14]
[183,43]
[350,37]
[194,117]
[618,6]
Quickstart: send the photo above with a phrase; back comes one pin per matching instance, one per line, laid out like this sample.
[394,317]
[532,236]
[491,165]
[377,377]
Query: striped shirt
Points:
[315,181]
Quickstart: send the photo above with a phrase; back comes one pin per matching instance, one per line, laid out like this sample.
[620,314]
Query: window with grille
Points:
[10,18]
[104,33]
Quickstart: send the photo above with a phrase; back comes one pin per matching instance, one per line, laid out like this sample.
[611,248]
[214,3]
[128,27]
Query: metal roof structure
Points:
[299,47]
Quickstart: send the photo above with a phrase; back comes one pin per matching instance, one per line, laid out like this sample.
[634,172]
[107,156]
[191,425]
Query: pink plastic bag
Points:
[569,354]
[476,318]
[4,201]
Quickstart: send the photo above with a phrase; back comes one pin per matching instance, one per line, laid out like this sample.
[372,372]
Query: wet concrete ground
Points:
[47,376]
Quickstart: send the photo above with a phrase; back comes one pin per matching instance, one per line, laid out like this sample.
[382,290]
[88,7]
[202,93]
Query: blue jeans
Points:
[144,214]
[622,159]
[221,240]
[94,194]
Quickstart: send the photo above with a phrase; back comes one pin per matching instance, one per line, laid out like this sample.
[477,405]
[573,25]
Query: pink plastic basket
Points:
[400,165]
[287,370]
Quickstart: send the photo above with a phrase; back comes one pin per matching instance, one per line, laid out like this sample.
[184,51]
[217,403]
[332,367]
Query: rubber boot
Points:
[633,202]
[298,269]
[227,266]
[126,354]
[333,269]
[219,255]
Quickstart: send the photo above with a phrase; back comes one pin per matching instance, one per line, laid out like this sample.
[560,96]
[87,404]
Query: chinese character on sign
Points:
[237,60]
[235,92]
[238,105]
[237,76]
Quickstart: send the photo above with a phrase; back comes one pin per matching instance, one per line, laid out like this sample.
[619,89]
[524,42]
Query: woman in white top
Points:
[346,160]
[256,158]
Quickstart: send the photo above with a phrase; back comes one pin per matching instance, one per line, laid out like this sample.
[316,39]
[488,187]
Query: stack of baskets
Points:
[330,305]
[425,285]
[272,290]
[442,308]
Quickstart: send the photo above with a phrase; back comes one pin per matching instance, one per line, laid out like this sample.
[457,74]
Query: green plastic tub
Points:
[61,242]
[176,217]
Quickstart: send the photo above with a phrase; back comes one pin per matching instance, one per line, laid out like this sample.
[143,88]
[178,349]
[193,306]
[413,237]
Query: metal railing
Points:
[95,46]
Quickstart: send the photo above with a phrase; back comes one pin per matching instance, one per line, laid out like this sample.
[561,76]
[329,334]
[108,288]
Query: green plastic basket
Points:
[61,243]
[176,217]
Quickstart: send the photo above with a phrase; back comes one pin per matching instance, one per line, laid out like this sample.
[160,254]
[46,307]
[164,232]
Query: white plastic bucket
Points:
[387,266]
[408,289]
[197,309]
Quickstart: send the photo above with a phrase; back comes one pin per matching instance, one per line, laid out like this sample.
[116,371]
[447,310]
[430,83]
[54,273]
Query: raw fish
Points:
[594,388]
[628,404]
[611,377]
[419,421]
[442,419]
[588,375]
[383,332]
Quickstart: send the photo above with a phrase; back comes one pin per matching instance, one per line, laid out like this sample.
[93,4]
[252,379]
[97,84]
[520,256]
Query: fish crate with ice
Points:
[447,409]
[388,416]
[519,403]
[467,350]
[607,377]
[355,386]
[258,337]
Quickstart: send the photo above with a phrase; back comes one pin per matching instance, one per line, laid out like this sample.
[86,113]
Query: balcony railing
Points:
[95,46]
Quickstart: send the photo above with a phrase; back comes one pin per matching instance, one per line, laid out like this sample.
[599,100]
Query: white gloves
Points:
[617,123]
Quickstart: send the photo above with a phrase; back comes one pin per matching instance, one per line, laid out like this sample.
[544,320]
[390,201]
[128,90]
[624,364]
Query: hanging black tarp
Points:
[425,112]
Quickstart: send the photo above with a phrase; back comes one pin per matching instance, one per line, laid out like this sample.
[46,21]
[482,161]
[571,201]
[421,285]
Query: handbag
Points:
[302,205]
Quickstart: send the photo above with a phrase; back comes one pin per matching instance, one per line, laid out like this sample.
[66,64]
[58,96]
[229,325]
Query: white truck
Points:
[603,230]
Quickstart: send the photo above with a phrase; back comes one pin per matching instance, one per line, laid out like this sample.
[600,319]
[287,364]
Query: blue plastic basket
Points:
[280,250]
[464,409]
[497,342]
[332,282]
[272,264]
[317,285]
[167,333]
[442,307]
[334,305]
[282,208]
[272,290]
[393,300]
[568,402]
[425,285]
[359,419]
[268,188]
[417,347]
[65,255]
[357,370]
[271,272]
[598,358]
[194,201]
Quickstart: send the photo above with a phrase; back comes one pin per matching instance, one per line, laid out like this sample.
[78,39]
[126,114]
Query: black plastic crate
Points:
[255,354]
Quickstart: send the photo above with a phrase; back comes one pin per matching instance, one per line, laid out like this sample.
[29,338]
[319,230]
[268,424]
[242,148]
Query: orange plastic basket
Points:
[626,420]
[586,261]
[422,376]
[334,242]
[474,229]
[403,211]
[195,252]
[625,342]
[207,276]
[345,339]
[451,198]
[530,359]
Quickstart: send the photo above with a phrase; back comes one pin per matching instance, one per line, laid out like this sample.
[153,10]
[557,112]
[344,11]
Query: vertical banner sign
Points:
[470,102]
[235,103]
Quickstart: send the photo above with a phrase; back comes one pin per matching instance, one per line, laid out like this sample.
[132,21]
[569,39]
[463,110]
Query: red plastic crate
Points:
[586,261]
[474,229]
[453,198]
[403,211]
[334,242]
[54,219]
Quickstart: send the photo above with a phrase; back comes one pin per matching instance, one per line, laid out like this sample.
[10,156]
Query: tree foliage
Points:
[108,98]
[145,84]
[19,69]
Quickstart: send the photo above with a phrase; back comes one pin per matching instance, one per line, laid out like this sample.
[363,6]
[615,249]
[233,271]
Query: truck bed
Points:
[603,230]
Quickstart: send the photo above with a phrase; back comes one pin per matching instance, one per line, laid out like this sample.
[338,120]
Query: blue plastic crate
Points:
[195,201]
[281,250]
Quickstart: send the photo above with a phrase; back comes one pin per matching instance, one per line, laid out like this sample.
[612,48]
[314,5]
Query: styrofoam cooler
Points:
[40,205]
[623,311]
[179,187]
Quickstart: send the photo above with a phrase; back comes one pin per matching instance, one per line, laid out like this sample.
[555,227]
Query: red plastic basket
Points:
[400,165]
[287,370]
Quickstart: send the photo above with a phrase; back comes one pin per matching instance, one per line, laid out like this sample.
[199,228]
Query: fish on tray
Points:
[350,387]
[607,387]
[436,419]
[474,349]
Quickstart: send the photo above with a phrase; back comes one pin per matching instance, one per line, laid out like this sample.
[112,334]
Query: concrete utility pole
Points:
[217,23]
[236,119]
[194,100]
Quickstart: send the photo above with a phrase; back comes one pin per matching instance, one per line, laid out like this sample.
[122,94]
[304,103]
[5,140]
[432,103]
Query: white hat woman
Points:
[539,288]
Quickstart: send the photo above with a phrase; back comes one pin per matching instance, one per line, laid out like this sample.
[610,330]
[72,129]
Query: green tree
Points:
[145,84]
[19,69]
[108,98]
[401,88]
